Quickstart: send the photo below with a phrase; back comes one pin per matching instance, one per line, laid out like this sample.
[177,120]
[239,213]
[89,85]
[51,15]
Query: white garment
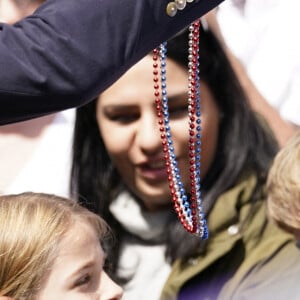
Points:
[264,35]
[48,170]
[146,263]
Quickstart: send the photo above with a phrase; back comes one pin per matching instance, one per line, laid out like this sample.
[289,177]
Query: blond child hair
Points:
[31,227]
[283,186]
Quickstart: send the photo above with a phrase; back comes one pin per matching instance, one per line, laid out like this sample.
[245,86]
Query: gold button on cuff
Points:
[181,4]
[176,5]
[171,9]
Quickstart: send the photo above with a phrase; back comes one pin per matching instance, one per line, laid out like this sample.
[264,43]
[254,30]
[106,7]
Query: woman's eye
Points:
[126,118]
[178,110]
[83,280]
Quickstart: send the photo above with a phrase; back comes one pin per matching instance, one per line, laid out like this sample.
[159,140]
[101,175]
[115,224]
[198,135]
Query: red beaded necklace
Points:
[189,209]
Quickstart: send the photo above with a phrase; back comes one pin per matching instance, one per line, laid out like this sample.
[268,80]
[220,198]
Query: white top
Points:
[264,35]
[48,169]
[144,263]
[148,266]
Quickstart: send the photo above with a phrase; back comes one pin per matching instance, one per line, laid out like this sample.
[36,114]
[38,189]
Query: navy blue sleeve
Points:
[69,51]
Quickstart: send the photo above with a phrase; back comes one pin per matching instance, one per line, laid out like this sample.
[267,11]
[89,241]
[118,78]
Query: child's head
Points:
[47,241]
[284,187]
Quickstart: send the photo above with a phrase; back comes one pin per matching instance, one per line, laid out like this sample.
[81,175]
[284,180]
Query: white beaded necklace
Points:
[189,209]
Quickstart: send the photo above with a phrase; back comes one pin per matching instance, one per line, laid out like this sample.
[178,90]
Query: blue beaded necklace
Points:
[189,209]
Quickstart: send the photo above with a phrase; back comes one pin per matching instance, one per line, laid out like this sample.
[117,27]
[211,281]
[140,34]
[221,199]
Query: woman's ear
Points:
[5,298]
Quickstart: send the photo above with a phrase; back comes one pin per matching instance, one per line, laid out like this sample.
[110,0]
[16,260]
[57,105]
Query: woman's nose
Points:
[148,134]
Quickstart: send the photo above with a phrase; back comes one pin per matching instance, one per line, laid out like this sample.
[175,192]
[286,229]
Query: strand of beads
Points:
[189,211]
[179,198]
[194,109]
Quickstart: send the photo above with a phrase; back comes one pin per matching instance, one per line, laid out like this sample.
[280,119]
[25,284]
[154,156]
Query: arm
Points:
[69,51]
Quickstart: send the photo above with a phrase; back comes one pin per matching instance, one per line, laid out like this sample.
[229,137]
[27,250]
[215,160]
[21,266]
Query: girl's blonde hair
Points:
[283,185]
[31,227]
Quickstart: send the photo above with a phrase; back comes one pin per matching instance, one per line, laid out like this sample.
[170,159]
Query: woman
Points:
[118,165]
[50,249]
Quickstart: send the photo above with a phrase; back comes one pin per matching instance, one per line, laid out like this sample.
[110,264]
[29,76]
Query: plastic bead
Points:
[189,211]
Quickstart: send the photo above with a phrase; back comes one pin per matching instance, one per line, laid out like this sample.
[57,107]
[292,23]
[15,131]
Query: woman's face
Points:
[77,272]
[128,123]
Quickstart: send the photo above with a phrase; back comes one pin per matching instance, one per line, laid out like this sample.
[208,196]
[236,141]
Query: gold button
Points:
[233,230]
[180,4]
[193,261]
[171,9]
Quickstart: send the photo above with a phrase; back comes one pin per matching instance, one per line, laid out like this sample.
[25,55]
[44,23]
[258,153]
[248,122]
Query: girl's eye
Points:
[83,280]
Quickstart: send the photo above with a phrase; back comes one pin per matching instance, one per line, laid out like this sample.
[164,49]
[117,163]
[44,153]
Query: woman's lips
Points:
[153,170]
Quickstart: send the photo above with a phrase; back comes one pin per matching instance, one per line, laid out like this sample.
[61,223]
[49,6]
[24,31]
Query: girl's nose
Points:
[109,290]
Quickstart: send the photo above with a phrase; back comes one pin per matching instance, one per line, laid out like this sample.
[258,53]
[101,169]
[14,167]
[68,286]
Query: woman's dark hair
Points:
[244,145]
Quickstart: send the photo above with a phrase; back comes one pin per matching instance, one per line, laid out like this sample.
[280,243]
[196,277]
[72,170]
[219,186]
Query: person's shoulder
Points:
[276,278]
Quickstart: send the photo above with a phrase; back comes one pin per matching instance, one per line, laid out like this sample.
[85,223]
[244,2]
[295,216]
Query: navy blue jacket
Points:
[69,51]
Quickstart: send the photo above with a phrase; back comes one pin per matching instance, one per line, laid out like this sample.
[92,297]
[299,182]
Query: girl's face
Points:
[128,123]
[77,272]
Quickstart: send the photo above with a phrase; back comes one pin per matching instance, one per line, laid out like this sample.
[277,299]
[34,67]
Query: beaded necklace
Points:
[189,209]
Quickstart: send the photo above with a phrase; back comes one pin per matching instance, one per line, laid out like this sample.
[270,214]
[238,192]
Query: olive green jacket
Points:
[256,260]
